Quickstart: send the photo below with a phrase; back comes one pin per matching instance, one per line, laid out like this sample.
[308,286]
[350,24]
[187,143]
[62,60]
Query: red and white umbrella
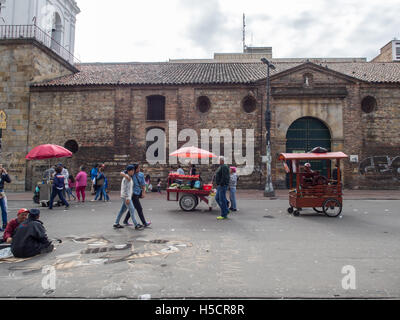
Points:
[192,153]
[48,151]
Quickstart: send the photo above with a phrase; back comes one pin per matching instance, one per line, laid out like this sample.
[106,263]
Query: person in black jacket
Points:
[222,177]
[30,237]
[58,187]
[4,177]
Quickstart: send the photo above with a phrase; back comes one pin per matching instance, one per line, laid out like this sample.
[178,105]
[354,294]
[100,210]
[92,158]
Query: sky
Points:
[159,30]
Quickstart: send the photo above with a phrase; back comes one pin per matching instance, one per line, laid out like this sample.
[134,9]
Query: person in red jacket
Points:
[22,215]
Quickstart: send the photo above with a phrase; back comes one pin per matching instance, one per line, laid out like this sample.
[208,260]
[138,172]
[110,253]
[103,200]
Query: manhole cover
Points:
[269,217]
[158,241]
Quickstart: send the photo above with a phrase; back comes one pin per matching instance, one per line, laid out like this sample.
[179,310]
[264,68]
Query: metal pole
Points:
[269,188]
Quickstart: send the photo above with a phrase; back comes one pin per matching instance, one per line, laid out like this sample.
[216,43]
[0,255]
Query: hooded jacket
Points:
[29,239]
[222,175]
[4,178]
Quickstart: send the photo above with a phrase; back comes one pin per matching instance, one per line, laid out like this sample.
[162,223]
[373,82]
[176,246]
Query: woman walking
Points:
[100,183]
[81,183]
[232,188]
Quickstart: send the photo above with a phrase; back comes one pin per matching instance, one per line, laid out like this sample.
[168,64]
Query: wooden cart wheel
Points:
[332,207]
[188,202]
[290,210]
[318,210]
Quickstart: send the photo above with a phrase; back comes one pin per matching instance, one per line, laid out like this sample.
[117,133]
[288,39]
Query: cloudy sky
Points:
[158,30]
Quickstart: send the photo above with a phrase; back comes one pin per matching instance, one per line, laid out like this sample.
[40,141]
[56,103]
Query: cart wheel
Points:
[296,213]
[188,202]
[318,210]
[332,207]
[290,210]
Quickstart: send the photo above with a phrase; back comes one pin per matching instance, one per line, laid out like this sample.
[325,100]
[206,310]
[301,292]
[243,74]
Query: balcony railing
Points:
[34,32]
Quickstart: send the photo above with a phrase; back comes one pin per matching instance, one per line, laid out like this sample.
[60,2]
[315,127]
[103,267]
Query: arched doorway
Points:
[305,134]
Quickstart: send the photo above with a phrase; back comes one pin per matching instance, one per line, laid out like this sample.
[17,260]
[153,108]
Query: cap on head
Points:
[23,210]
[130,167]
[34,212]
[308,165]
[233,169]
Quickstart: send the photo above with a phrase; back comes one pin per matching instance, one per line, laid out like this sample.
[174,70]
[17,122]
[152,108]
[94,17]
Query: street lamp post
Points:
[269,188]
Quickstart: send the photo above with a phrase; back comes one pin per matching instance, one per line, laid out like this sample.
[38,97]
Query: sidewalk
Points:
[241,194]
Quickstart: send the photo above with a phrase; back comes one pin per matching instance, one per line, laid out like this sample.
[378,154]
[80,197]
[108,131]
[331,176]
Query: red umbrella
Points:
[192,153]
[48,151]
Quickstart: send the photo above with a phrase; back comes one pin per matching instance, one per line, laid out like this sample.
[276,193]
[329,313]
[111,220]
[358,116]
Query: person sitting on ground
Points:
[30,238]
[22,215]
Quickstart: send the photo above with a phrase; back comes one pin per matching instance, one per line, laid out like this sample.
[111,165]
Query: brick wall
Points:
[109,124]
[21,62]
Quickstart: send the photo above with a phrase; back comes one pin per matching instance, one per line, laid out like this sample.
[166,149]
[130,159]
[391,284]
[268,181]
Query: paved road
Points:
[261,251]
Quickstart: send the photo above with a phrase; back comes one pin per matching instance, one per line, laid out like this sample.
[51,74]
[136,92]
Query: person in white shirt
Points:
[232,188]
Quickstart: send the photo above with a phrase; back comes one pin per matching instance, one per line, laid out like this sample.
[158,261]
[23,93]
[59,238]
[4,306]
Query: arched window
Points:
[156,108]
[72,146]
[203,104]
[249,104]
[368,104]
[56,32]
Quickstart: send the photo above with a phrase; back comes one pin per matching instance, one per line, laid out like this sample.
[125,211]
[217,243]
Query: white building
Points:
[56,18]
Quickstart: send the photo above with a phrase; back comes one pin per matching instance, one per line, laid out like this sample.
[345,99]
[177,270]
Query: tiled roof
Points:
[208,73]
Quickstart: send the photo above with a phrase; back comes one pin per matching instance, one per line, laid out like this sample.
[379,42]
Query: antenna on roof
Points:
[244,32]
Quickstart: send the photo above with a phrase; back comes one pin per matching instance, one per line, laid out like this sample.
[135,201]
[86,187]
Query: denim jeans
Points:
[69,193]
[3,211]
[58,192]
[220,197]
[101,190]
[123,209]
[232,197]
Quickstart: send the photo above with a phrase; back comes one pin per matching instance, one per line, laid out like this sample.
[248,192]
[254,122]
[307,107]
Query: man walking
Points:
[222,180]
[58,187]
[126,196]
[138,193]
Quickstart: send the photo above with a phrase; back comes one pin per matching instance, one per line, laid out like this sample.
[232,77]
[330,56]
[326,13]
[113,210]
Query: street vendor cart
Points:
[43,188]
[189,197]
[188,189]
[312,190]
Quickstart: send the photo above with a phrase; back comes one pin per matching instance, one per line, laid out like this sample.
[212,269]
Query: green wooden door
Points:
[304,135]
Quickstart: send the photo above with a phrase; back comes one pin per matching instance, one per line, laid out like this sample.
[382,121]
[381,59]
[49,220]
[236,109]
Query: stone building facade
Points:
[102,112]
[21,63]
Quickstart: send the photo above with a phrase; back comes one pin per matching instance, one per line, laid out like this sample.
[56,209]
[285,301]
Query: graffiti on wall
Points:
[383,166]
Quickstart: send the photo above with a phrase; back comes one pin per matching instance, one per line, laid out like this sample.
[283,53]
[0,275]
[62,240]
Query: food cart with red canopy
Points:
[189,198]
[313,190]
[188,194]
